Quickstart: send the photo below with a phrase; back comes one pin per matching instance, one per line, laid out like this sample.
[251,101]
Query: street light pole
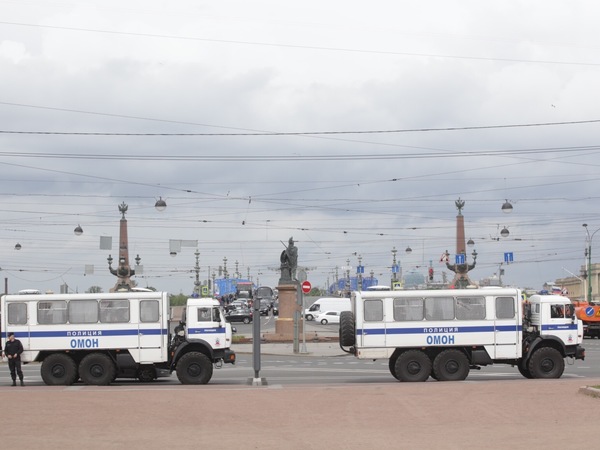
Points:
[394,269]
[588,251]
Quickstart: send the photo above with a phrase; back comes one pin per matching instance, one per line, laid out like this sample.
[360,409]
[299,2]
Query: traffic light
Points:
[431,274]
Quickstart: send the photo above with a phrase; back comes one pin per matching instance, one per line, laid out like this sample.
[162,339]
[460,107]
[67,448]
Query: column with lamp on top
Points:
[589,270]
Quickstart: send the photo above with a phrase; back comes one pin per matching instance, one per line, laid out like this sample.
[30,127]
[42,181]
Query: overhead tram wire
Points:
[328,157]
[304,47]
[308,133]
[253,132]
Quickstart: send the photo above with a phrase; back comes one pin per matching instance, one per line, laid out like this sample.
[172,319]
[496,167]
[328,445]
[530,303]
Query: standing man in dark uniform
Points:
[13,350]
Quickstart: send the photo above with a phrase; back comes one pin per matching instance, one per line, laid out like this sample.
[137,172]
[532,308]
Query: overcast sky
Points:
[352,126]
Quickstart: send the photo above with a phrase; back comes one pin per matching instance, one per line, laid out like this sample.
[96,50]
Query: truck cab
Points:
[201,339]
[554,315]
[204,321]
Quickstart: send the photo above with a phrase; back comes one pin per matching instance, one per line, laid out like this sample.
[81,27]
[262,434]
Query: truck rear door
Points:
[152,334]
[507,333]
[373,332]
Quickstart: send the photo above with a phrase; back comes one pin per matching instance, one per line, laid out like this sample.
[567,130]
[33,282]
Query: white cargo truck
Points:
[100,337]
[445,333]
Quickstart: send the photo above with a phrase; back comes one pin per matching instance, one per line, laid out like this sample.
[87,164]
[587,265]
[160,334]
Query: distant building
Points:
[414,280]
[576,288]
[494,280]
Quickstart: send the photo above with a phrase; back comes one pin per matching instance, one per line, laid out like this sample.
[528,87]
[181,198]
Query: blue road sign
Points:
[508,257]
[460,258]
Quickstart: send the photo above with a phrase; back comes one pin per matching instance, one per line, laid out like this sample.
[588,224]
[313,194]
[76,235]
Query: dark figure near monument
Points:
[289,262]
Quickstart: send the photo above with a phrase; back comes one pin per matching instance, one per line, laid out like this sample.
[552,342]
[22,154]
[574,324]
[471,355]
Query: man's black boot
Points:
[22,383]
[14,383]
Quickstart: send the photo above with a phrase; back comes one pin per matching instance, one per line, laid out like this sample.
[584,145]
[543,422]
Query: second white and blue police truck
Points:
[444,333]
[101,337]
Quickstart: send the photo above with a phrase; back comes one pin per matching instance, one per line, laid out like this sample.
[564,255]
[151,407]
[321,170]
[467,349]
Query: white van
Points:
[327,304]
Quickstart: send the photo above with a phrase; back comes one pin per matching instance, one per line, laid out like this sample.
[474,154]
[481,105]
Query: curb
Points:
[590,391]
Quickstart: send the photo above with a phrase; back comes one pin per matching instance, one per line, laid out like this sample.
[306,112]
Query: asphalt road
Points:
[284,370]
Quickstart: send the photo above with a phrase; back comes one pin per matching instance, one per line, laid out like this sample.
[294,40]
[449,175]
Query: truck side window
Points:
[557,312]
[114,311]
[373,310]
[204,315]
[470,308]
[52,312]
[149,311]
[17,313]
[505,308]
[569,310]
[216,315]
[408,309]
[83,311]
[439,308]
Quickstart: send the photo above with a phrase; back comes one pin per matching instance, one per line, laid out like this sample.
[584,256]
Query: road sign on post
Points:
[306,287]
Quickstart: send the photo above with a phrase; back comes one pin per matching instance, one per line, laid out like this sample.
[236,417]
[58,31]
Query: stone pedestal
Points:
[284,325]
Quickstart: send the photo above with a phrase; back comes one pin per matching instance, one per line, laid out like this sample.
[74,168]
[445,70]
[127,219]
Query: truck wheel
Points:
[146,374]
[451,365]
[59,369]
[524,370]
[347,326]
[392,365]
[546,362]
[412,365]
[309,317]
[194,368]
[97,369]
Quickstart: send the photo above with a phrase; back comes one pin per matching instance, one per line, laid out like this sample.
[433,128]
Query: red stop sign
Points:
[306,287]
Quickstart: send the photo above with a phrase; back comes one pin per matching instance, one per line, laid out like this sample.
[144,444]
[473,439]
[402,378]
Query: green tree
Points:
[178,300]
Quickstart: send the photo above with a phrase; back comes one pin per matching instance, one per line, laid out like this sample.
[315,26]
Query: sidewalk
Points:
[517,414]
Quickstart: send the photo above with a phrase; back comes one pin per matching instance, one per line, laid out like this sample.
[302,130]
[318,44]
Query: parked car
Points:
[239,315]
[328,317]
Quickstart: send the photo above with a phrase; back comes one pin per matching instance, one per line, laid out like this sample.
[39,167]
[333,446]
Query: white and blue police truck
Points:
[444,333]
[101,337]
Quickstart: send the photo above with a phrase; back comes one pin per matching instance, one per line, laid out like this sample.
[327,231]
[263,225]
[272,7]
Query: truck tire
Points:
[59,369]
[524,370]
[97,369]
[309,317]
[392,366]
[451,365]
[146,374]
[347,333]
[546,362]
[194,368]
[413,365]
